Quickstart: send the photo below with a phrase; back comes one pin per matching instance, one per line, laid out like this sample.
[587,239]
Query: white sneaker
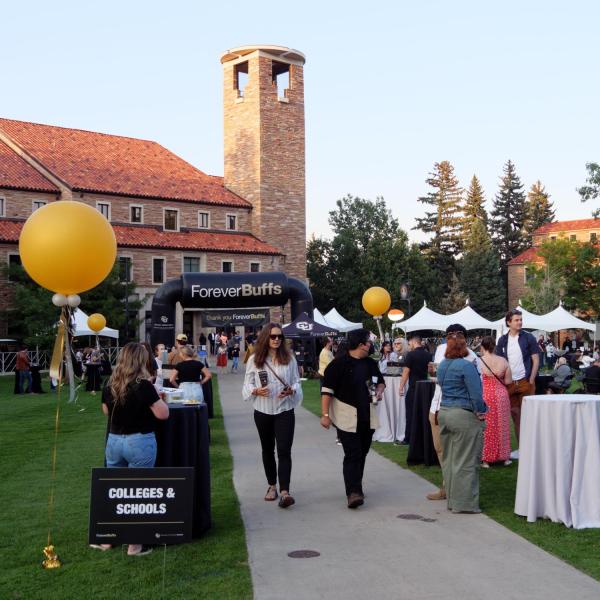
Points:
[515,454]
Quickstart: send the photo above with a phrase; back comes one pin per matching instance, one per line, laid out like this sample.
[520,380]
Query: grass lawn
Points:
[212,567]
[580,548]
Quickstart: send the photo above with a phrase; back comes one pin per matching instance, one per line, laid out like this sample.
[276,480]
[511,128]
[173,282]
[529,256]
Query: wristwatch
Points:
[325,415]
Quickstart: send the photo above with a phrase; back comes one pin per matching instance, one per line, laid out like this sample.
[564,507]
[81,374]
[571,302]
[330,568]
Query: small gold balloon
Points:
[96,322]
[376,301]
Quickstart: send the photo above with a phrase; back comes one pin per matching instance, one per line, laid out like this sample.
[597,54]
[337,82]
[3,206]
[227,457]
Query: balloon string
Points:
[164,570]
[54,451]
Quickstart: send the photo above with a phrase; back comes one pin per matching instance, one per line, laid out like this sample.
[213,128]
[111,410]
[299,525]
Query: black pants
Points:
[409,403]
[276,429]
[356,447]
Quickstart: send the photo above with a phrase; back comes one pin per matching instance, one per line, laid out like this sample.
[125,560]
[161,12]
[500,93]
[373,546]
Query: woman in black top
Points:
[132,406]
[191,374]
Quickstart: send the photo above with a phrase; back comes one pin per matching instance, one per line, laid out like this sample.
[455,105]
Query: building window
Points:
[2,202]
[158,270]
[104,208]
[240,77]
[281,78]
[203,220]
[191,264]
[14,260]
[573,237]
[231,222]
[136,214]
[593,237]
[552,237]
[527,275]
[227,266]
[171,219]
[125,268]
[37,204]
[254,267]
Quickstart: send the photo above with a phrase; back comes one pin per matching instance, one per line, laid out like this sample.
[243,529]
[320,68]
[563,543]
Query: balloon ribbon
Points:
[62,348]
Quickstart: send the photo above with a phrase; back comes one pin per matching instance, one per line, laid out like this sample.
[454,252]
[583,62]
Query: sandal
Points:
[286,500]
[271,493]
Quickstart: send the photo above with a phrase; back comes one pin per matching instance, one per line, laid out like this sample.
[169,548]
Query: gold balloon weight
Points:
[51,561]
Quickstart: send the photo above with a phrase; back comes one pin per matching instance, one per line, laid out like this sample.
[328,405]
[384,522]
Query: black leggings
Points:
[276,429]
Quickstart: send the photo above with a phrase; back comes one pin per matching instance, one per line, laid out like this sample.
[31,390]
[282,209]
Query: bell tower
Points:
[264,144]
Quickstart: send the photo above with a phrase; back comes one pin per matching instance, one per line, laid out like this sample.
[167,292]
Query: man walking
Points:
[520,349]
[415,369]
[23,367]
[346,402]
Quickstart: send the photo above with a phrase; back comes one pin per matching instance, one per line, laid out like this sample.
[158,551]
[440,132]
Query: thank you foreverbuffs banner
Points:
[141,506]
[252,317]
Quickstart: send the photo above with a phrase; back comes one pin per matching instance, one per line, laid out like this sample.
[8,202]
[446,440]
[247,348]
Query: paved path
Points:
[369,553]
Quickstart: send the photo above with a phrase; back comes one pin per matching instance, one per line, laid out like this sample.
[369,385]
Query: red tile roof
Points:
[530,255]
[96,162]
[150,237]
[559,226]
[16,173]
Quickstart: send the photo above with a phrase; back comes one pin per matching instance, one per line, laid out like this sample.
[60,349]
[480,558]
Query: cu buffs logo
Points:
[164,319]
[305,326]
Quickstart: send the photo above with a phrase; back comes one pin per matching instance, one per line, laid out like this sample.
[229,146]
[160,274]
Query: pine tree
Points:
[539,209]
[480,277]
[445,220]
[454,299]
[474,208]
[508,218]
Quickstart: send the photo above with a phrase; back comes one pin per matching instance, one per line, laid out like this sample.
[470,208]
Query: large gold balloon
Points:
[67,247]
[96,322]
[376,301]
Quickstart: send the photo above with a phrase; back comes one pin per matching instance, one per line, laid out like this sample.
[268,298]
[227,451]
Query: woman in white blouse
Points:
[273,385]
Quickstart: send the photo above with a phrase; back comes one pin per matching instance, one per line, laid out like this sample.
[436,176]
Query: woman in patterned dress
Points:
[496,376]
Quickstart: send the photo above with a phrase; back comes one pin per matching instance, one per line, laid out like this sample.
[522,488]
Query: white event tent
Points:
[319,318]
[335,320]
[80,326]
[425,318]
[469,319]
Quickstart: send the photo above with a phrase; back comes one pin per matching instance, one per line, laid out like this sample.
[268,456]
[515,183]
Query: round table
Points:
[421,450]
[391,412]
[559,460]
[182,441]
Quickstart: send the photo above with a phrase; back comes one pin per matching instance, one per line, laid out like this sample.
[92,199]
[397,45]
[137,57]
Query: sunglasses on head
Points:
[276,336]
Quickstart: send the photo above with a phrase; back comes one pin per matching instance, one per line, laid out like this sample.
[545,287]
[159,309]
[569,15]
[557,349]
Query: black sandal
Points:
[271,494]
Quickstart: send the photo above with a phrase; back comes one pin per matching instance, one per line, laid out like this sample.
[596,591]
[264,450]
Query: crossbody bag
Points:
[492,372]
[286,386]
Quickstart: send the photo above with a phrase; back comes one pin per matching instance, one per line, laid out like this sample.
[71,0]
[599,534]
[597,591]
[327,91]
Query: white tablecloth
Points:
[391,412]
[559,460]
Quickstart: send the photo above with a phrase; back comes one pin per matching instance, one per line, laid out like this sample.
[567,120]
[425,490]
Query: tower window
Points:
[281,78]
[240,77]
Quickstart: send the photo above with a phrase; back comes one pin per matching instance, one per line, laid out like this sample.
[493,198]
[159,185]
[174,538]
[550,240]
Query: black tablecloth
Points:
[36,380]
[94,378]
[421,450]
[182,441]
[207,390]
[541,383]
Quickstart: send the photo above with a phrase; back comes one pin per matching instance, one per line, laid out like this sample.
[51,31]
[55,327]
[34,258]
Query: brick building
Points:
[582,230]
[169,216]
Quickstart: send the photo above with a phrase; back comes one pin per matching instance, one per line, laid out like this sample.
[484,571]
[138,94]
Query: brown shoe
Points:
[355,500]
[286,500]
[439,495]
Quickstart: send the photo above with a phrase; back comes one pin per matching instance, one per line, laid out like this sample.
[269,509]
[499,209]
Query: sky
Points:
[391,87]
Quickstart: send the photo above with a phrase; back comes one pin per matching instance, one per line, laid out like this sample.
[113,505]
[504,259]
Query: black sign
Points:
[141,506]
[252,317]
[231,290]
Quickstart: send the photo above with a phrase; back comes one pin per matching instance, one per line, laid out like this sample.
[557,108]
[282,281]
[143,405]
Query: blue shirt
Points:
[528,345]
[461,385]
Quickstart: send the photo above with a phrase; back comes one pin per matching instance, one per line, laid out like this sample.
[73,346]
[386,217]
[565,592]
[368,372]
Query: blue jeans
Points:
[23,377]
[136,450]
[236,362]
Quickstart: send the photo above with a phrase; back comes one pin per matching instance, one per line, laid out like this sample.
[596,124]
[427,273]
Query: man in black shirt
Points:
[415,369]
[346,395]
[592,378]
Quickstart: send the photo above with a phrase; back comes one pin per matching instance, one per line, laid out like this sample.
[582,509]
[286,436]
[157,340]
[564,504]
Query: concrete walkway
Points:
[370,552]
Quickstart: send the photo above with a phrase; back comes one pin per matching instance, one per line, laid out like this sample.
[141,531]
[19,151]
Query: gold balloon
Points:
[96,322]
[67,247]
[376,301]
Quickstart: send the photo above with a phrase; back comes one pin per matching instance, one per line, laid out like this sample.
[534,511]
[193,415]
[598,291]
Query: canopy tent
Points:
[425,318]
[334,319]
[555,320]
[469,319]
[319,318]
[305,327]
[80,326]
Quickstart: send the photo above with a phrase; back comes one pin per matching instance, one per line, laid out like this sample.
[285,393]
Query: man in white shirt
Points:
[521,351]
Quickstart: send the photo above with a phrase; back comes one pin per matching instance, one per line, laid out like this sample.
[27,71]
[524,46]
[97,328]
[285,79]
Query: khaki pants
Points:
[461,434]
[435,434]
[516,391]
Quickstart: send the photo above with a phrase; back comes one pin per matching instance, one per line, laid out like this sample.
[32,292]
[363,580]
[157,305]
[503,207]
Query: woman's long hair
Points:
[150,365]
[457,346]
[131,368]
[261,347]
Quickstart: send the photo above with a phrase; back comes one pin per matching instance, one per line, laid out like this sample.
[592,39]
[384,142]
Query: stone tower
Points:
[264,144]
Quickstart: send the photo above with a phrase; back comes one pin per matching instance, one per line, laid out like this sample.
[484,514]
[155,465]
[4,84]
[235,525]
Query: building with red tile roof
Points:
[169,216]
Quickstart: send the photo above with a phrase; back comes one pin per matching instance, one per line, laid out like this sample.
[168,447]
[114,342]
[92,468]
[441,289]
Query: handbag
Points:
[285,385]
